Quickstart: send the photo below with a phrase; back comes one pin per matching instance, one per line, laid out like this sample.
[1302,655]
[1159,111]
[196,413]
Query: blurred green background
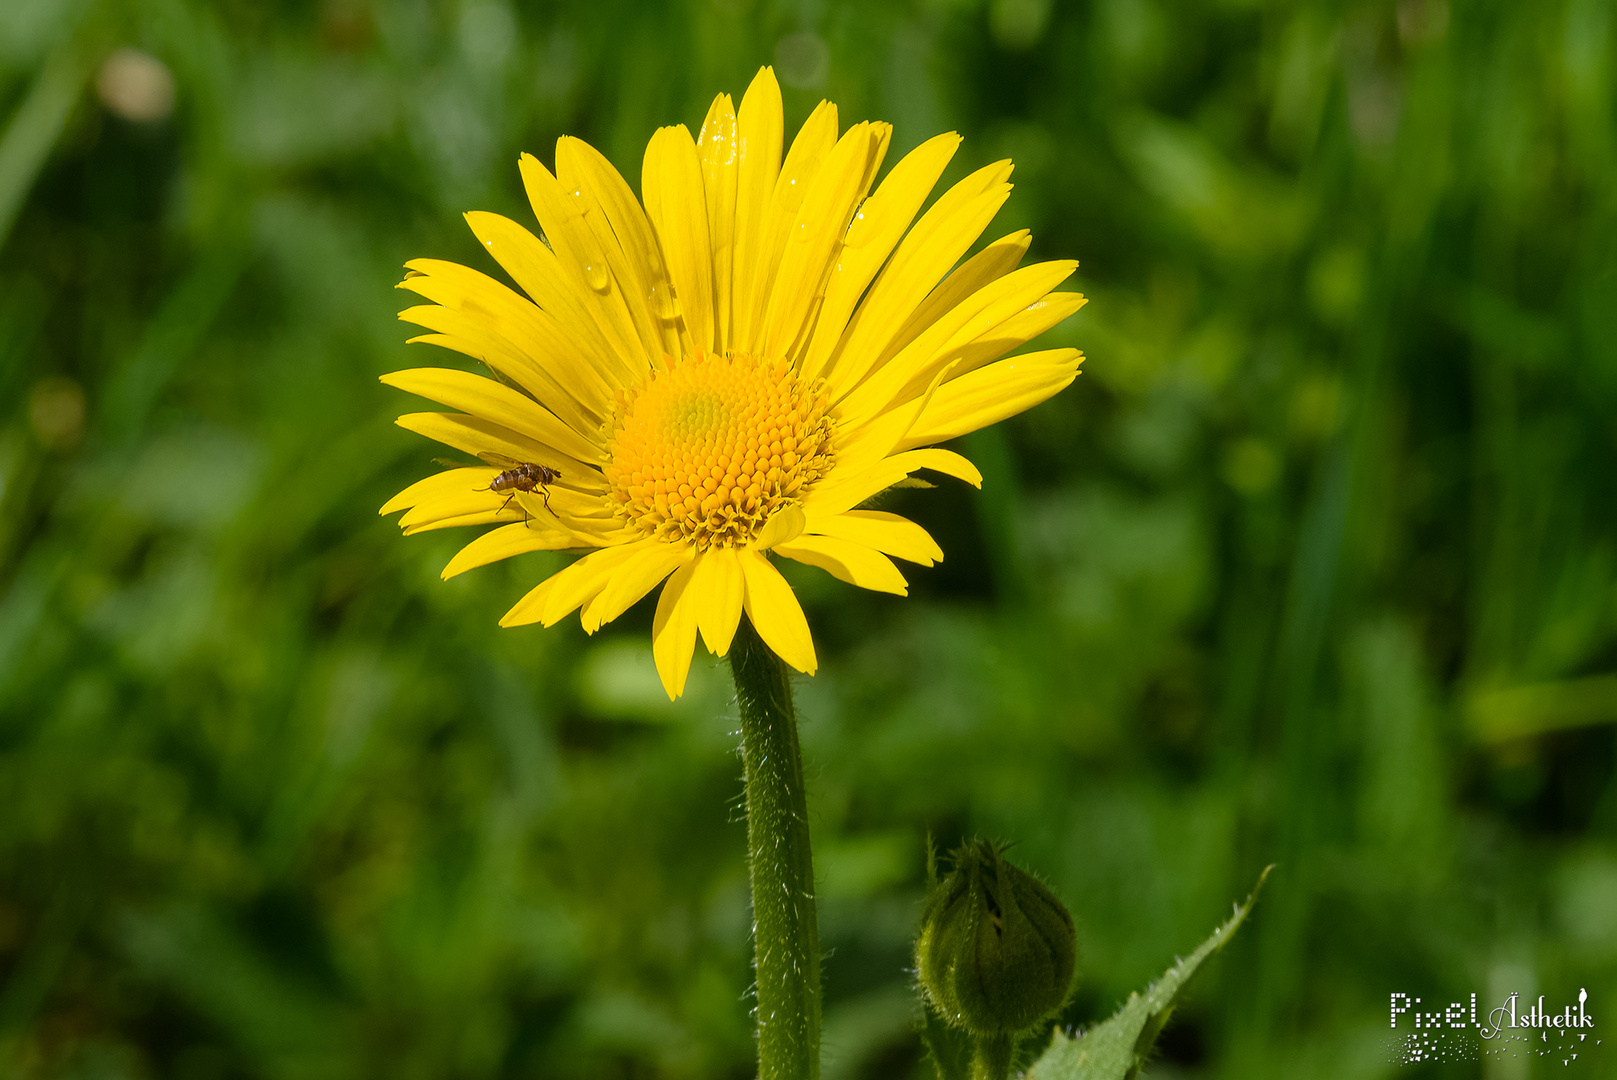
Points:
[1314,565]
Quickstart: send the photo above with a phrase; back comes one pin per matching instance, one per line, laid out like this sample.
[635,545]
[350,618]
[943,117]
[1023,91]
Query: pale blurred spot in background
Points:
[136,86]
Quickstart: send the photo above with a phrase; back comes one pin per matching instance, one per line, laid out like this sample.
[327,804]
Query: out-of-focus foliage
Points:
[1314,565]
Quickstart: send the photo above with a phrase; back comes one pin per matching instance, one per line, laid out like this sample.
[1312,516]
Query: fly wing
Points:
[496,460]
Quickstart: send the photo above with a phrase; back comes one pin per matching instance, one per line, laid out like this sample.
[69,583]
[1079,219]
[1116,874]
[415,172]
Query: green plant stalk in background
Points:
[786,938]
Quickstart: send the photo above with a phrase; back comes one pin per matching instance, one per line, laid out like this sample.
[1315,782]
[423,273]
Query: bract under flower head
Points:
[724,370]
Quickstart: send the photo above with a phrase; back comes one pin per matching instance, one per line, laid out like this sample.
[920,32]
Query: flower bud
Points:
[997,950]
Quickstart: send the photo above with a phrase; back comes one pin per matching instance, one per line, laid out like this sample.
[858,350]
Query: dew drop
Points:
[595,273]
[661,300]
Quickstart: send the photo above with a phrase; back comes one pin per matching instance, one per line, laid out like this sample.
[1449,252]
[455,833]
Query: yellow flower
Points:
[727,374]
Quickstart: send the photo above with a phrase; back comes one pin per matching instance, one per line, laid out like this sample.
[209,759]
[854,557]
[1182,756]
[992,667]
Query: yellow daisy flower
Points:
[726,374]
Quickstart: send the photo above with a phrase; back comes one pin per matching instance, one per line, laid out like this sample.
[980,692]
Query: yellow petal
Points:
[854,563]
[604,568]
[887,533]
[634,580]
[586,531]
[475,435]
[940,460]
[578,405]
[454,503]
[816,235]
[504,542]
[672,186]
[486,517]
[492,401]
[576,584]
[990,264]
[569,587]
[720,173]
[719,592]
[584,265]
[858,448]
[622,231]
[782,525]
[847,493]
[760,128]
[883,133]
[996,341]
[528,609]
[808,152]
[863,442]
[990,394]
[452,481]
[510,333]
[539,272]
[570,396]
[942,235]
[775,612]
[567,510]
[673,631]
[583,506]
[876,227]
[974,317]
[455,506]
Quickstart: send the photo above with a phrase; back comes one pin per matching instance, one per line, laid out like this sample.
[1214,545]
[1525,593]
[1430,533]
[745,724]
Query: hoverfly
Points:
[521,476]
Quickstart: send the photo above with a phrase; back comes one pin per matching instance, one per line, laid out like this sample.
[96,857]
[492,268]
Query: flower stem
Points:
[991,1057]
[786,939]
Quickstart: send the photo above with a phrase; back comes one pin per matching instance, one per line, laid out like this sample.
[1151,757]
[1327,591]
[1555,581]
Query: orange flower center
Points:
[707,450]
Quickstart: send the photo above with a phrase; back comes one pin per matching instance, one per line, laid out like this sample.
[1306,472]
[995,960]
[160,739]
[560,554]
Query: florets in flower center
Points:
[707,450]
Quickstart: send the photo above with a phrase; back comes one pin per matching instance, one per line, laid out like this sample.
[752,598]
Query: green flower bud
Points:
[997,950]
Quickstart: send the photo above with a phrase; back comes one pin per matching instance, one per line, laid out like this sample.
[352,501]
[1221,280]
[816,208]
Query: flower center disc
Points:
[707,450]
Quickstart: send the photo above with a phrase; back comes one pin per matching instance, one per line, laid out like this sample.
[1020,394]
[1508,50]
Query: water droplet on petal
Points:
[661,301]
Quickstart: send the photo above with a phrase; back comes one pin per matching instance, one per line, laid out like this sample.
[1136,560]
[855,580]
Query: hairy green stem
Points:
[991,1057]
[786,938]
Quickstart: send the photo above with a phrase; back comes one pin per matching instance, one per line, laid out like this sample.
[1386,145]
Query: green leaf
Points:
[1117,1049]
